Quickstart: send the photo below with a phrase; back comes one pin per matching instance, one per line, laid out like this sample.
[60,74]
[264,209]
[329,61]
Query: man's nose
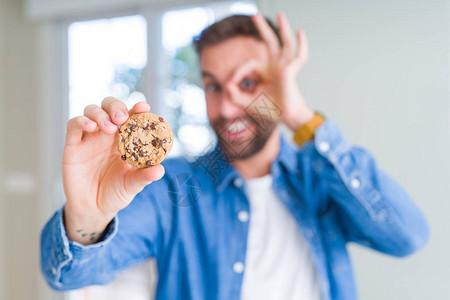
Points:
[229,107]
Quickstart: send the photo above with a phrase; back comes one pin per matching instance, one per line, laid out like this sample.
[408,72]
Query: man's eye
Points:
[212,87]
[247,85]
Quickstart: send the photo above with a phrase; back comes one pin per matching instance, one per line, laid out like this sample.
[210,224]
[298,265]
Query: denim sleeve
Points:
[70,265]
[375,210]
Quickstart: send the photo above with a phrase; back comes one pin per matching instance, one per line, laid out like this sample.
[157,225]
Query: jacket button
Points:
[243,216]
[238,182]
[355,183]
[238,267]
[324,147]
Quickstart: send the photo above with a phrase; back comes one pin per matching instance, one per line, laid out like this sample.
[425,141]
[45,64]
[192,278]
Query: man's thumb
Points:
[136,179]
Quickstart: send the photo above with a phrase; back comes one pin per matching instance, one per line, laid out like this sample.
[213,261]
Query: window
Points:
[106,58]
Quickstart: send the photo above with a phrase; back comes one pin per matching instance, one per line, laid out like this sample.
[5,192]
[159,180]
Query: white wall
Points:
[380,69]
[2,142]
[19,160]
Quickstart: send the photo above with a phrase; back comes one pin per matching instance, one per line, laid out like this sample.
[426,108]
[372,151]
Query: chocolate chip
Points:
[155,142]
[135,156]
[165,150]
[153,126]
[149,163]
[136,149]
[132,126]
[122,140]
[142,153]
[123,157]
[136,141]
[146,127]
[161,119]
[163,141]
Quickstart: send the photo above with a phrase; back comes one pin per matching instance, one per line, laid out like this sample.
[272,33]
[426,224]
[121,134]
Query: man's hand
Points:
[97,183]
[277,77]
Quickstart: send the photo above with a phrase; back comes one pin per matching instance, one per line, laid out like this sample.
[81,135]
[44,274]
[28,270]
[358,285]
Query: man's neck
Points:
[258,164]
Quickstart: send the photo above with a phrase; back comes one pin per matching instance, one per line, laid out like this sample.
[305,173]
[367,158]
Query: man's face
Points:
[240,136]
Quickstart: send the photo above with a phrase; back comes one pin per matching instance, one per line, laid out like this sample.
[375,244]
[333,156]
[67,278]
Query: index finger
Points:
[247,69]
[76,128]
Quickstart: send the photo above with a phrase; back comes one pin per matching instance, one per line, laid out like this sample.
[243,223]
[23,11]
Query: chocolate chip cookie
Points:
[144,140]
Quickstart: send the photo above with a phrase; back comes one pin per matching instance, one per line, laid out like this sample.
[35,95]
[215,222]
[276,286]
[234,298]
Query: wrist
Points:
[85,229]
[307,131]
[299,118]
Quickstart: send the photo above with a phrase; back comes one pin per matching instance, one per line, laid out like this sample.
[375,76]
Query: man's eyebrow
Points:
[207,74]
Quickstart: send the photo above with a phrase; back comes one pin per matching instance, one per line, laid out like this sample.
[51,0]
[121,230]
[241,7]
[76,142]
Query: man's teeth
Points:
[237,126]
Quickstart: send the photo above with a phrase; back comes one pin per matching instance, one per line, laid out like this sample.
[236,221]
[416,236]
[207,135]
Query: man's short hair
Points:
[232,26]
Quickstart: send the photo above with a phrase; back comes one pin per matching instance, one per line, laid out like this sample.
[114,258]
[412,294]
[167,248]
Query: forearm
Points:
[296,121]
[68,264]
[399,229]
[296,113]
[377,211]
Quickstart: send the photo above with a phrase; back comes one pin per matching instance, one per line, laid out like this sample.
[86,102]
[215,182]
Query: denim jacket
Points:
[188,222]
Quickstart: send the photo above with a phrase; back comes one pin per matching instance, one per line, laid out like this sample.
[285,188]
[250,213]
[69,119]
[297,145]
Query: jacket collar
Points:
[218,167]
[287,156]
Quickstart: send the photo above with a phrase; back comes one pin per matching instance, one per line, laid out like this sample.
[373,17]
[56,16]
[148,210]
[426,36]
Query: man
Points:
[257,217]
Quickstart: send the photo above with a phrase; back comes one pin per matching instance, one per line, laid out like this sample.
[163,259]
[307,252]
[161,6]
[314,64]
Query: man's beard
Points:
[238,148]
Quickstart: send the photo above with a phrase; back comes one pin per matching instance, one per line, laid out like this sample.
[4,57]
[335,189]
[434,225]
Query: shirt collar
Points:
[218,167]
[287,156]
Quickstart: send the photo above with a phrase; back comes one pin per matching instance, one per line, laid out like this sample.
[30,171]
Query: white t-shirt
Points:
[278,262]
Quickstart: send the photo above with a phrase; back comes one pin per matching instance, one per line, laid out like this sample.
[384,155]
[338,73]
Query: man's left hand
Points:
[277,76]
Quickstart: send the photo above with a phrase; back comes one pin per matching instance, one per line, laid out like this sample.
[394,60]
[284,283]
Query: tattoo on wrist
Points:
[92,236]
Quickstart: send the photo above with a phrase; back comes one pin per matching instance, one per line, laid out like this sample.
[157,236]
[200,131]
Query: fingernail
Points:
[119,114]
[108,123]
